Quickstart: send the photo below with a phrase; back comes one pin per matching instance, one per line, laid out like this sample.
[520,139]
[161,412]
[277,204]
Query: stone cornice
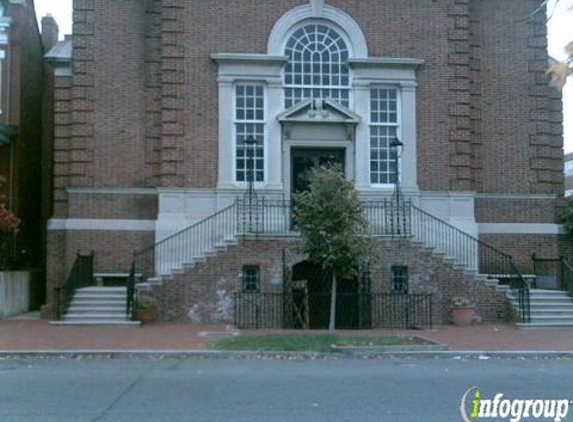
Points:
[386,62]
[224,58]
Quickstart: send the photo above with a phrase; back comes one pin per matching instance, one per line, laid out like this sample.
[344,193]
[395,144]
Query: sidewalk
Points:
[39,335]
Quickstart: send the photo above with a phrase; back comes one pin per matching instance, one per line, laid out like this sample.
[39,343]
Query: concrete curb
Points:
[263,355]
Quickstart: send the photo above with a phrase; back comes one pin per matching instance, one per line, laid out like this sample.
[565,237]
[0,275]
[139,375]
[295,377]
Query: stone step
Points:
[99,297]
[551,310]
[523,325]
[95,317]
[542,301]
[99,300]
[118,310]
[91,322]
[548,292]
[98,289]
[98,304]
[551,318]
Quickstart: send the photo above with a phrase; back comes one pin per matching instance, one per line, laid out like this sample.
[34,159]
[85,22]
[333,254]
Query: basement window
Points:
[399,279]
[251,278]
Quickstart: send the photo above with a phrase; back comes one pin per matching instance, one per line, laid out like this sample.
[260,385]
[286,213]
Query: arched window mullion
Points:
[318,53]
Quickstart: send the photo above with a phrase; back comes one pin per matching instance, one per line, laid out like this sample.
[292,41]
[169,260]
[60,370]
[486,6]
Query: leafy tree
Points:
[333,227]
[559,71]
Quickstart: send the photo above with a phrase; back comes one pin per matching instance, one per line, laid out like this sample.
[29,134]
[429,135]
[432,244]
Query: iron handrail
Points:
[472,253]
[170,238]
[179,249]
[130,289]
[387,217]
[567,274]
[461,232]
[81,275]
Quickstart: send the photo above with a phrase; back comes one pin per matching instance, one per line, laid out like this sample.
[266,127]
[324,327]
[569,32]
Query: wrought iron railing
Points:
[81,275]
[264,216]
[181,249]
[471,253]
[130,300]
[567,275]
[274,216]
[256,310]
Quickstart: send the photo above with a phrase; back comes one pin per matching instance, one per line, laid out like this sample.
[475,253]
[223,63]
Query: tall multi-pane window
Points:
[250,132]
[384,127]
[316,68]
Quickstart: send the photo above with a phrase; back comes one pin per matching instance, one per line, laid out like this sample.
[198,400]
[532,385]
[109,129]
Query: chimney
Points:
[50,32]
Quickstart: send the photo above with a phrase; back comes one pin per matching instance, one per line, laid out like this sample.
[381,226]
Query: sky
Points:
[560,28]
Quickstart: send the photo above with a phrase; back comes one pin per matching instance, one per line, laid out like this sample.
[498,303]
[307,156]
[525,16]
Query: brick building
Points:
[22,158]
[165,109]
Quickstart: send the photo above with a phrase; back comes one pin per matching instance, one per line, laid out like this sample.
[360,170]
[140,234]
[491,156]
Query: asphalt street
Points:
[62,390]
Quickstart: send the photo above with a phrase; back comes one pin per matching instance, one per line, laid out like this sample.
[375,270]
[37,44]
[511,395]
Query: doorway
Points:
[310,292]
[303,160]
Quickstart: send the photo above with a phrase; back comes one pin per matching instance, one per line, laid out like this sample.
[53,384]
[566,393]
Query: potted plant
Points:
[145,309]
[463,310]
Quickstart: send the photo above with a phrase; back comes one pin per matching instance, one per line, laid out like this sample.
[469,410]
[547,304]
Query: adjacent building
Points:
[22,154]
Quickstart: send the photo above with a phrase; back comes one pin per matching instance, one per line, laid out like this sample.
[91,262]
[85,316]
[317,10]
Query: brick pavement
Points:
[40,335]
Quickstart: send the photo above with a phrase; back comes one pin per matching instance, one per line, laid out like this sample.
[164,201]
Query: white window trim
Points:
[280,31]
[264,122]
[398,124]
[349,46]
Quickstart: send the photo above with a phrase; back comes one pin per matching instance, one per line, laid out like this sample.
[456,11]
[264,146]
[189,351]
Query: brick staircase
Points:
[181,252]
[549,309]
[97,306]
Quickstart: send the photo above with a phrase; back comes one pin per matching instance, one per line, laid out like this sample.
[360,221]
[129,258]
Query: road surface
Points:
[266,390]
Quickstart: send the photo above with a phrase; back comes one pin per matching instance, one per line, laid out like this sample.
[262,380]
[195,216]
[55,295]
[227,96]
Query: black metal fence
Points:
[80,276]
[312,310]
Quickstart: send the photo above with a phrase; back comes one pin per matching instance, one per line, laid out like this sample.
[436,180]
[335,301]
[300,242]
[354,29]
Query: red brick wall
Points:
[516,116]
[522,247]
[486,119]
[204,292]
[113,205]
[507,210]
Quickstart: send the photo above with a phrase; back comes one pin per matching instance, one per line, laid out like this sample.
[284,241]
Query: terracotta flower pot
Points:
[463,317]
[145,315]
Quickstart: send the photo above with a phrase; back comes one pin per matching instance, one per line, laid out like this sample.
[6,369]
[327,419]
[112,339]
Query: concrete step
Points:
[551,318]
[535,294]
[530,325]
[108,323]
[102,289]
[86,301]
[96,304]
[118,310]
[98,297]
[95,317]
[557,312]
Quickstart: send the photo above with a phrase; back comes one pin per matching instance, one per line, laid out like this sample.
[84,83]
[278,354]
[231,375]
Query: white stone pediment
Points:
[318,111]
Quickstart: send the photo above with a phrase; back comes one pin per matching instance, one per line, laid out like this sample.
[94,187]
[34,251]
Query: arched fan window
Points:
[317,66]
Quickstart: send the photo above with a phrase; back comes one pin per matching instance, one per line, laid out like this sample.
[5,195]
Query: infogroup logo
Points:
[474,407]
